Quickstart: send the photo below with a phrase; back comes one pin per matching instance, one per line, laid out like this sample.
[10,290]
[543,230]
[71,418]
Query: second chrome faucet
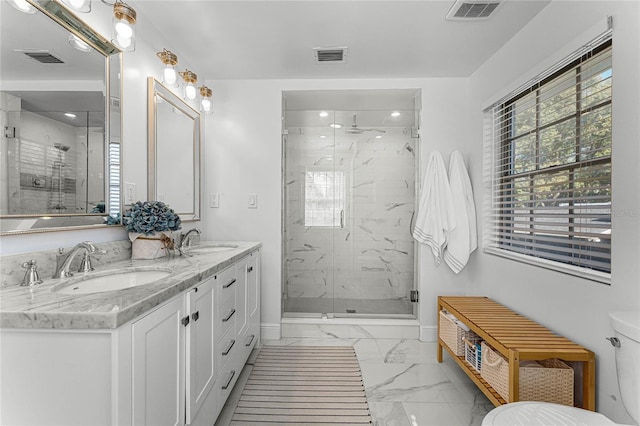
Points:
[64,260]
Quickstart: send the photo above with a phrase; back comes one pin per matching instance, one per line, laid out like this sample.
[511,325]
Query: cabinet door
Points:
[253,287]
[158,366]
[241,296]
[200,340]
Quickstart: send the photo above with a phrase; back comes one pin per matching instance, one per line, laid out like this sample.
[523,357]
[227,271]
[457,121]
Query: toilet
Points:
[626,326]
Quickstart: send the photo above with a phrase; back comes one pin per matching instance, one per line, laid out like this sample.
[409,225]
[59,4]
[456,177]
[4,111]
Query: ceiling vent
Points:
[42,56]
[476,10]
[330,55]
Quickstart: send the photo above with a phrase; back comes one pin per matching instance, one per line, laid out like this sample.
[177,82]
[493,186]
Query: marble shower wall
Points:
[372,256]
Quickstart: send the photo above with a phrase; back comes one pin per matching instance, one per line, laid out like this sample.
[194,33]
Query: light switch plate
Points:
[130,193]
[214,201]
[252,201]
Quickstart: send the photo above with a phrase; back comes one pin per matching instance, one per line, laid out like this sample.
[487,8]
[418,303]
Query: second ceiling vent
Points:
[474,10]
[330,55]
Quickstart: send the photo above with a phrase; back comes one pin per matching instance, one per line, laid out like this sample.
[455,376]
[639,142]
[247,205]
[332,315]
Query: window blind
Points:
[547,166]
[114,179]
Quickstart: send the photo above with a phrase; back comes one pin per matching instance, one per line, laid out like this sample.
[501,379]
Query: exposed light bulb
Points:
[170,76]
[123,42]
[23,6]
[190,91]
[79,5]
[78,44]
[123,29]
[206,105]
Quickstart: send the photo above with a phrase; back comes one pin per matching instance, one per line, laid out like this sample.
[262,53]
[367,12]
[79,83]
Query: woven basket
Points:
[554,383]
[453,335]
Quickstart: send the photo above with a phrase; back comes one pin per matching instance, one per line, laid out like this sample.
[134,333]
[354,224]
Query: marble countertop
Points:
[40,307]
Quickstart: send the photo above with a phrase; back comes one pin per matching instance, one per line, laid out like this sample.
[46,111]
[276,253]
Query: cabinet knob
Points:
[249,268]
[195,315]
[185,321]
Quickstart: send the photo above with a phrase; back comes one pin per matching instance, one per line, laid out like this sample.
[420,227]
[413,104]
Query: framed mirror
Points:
[174,151]
[60,122]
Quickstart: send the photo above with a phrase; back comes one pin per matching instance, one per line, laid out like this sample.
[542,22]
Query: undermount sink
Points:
[210,248]
[111,280]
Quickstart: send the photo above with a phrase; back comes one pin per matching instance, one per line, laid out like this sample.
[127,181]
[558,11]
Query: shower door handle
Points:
[341,218]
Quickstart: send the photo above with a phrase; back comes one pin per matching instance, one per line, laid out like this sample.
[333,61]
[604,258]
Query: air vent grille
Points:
[464,10]
[44,57]
[333,55]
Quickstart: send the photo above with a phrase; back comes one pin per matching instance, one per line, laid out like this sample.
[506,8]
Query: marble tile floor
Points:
[405,384]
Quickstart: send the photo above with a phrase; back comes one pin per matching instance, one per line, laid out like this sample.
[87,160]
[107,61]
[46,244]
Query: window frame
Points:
[504,175]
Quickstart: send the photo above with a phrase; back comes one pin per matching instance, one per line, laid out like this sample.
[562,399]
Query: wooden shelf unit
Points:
[517,338]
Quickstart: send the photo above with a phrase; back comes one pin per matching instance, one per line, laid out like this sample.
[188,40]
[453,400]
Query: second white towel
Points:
[463,240]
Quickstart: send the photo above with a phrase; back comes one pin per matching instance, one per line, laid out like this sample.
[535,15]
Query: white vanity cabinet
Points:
[157,367]
[236,334]
[170,383]
[173,365]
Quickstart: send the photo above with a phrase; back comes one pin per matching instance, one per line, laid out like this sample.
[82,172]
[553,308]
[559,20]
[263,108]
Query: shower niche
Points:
[349,197]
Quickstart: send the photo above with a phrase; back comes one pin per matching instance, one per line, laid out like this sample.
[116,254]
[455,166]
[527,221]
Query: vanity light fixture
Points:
[124,18]
[78,44]
[191,79]
[83,6]
[23,6]
[206,95]
[170,60]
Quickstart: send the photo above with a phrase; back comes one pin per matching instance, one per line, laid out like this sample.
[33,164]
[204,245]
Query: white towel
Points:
[435,218]
[463,240]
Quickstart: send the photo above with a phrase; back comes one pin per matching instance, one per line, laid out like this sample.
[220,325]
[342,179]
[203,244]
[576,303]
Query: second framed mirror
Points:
[174,151]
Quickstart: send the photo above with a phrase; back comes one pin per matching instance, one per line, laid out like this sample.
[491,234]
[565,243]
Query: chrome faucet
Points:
[185,241]
[64,261]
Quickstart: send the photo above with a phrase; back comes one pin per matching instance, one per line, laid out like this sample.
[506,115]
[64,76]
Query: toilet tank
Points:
[627,329]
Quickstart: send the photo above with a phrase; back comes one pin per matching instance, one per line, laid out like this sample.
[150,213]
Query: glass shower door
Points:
[313,192]
[349,197]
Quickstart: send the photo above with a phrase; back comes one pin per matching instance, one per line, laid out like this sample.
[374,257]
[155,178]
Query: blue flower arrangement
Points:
[151,216]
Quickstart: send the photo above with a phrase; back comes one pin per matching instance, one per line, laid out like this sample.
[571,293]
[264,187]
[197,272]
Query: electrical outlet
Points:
[130,193]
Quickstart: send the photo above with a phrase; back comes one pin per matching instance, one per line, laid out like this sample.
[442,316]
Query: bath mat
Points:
[303,385]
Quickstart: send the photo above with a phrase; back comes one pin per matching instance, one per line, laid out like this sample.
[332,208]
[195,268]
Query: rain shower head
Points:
[61,147]
[355,130]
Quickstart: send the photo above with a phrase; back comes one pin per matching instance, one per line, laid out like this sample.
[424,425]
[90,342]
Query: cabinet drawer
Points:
[226,285]
[226,317]
[227,349]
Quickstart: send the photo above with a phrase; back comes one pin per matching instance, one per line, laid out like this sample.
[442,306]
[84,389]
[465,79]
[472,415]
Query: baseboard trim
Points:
[429,333]
[270,331]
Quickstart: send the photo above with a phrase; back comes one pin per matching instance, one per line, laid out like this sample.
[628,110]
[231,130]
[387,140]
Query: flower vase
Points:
[149,246]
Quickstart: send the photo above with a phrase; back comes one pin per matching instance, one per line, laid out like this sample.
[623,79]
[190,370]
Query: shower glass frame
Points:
[329,308]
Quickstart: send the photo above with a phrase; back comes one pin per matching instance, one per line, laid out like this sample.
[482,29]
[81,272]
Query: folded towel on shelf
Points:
[435,218]
[463,240]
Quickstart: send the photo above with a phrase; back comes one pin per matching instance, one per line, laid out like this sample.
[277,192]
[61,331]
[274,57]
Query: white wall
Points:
[137,66]
[574,307]
[243,155]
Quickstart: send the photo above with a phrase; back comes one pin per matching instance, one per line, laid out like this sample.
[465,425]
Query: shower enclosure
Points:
[349,199]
